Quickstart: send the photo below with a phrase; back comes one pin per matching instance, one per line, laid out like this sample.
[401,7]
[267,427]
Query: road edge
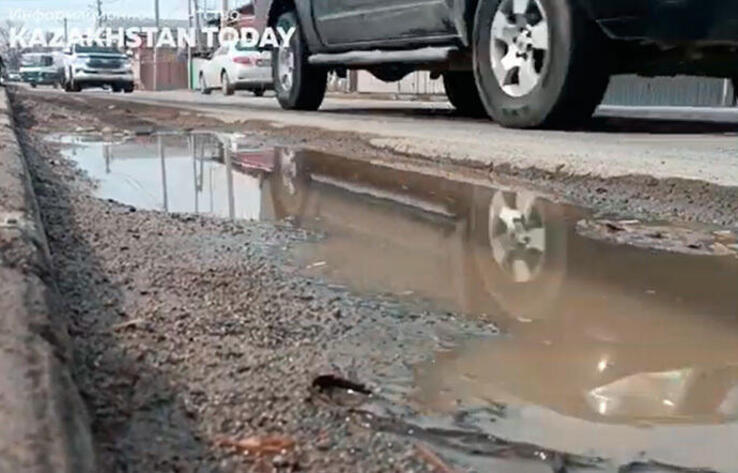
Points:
[46,427]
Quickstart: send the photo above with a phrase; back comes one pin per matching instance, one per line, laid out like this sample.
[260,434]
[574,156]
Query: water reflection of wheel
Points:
[520,253]
[517,236]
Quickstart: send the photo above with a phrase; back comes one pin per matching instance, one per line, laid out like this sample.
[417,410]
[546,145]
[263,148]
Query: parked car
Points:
[235,66]
[525,63]
[97,66]
[40,69]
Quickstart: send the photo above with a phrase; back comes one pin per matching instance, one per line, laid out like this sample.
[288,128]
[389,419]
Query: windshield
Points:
[37,61]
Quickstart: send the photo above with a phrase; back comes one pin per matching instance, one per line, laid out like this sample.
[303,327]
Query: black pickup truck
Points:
[525,63]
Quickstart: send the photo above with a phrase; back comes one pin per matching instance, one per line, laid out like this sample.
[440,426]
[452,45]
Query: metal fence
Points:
[670,91]
[171,75]
[623,90]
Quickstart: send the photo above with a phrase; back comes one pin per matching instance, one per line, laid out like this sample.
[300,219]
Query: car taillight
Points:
[246,61]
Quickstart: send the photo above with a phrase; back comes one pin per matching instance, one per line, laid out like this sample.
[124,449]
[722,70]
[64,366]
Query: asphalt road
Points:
[690,143]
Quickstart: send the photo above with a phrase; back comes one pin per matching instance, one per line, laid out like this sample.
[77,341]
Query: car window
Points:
[37,61]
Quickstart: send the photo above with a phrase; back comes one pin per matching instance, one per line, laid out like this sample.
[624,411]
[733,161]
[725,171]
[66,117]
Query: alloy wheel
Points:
[286,67]
[520,45]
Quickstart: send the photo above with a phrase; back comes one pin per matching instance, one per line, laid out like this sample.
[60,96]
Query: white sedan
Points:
[234,67]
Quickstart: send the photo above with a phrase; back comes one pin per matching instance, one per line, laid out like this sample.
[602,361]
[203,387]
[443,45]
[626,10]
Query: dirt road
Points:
[668,163]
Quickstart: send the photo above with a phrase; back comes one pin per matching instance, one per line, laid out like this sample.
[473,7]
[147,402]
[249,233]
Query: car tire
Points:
[227,87]
[33,86]
[204,90]
[552,72]
[128,89]
[462,92]
[259,92]
[116,89]
[299,85]
[73,87]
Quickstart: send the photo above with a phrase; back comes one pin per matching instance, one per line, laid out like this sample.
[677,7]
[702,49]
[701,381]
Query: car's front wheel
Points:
[299,85]
[539,63]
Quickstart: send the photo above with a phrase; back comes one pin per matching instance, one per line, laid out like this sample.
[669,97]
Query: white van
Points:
[40,69]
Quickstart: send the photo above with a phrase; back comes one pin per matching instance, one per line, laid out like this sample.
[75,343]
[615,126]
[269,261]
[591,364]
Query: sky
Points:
[82,11]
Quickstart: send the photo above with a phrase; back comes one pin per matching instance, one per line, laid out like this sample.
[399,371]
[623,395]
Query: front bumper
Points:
[42,78]
[254,78]
[102,77]
[676,21]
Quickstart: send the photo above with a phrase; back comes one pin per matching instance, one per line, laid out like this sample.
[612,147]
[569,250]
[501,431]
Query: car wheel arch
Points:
[277,8]
[466,10]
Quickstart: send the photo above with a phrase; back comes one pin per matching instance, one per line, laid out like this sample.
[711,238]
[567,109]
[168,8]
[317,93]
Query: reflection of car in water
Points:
[604,319]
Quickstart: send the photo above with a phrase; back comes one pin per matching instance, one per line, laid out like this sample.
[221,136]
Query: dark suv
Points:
[525,63]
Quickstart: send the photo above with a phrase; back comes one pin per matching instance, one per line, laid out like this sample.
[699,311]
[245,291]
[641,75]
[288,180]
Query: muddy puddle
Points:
[610,357]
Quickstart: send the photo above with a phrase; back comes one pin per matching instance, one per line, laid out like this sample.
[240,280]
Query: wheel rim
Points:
[520,45]
[286,67]
[517,236]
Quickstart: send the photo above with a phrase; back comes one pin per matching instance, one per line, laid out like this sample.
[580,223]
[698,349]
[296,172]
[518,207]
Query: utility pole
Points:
[156,48]
[189,48]
[99,13]
[66,32]
[224,13]
[197,25]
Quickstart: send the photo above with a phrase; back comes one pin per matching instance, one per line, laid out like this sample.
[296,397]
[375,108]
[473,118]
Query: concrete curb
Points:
[45,426]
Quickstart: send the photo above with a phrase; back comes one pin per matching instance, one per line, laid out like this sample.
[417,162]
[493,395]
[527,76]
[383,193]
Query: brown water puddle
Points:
[608,352]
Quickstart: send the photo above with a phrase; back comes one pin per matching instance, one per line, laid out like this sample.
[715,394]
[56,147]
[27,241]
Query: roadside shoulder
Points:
[45,425]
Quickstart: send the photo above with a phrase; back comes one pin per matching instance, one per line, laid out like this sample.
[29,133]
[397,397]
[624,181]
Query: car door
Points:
[347,22]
